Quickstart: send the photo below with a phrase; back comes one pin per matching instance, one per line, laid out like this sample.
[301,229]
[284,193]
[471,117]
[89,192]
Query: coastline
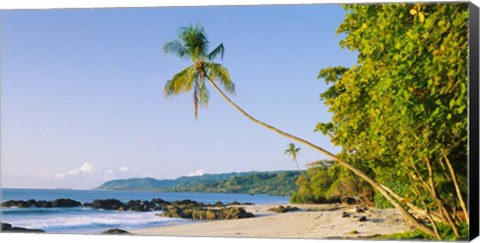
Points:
[310,222]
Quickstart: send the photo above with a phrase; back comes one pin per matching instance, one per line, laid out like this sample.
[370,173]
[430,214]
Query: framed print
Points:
[270,121]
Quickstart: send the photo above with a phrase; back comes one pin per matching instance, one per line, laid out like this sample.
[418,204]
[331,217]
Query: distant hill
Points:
[273,183]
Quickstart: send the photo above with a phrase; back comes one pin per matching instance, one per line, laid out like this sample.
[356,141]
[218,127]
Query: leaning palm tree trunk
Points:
[413,208]
[301,171]
[347,165]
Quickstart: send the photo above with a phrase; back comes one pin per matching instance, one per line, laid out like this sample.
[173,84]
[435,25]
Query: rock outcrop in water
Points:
[9,228]
[58,203]
[193,210]
[107,204]
[177,209]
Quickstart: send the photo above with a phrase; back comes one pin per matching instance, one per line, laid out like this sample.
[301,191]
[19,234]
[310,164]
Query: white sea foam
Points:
[79,221]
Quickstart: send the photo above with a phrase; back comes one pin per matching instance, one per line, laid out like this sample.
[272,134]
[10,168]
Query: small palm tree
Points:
[294,151]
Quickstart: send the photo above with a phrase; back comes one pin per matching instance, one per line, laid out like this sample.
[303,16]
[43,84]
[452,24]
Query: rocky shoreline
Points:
[187,209]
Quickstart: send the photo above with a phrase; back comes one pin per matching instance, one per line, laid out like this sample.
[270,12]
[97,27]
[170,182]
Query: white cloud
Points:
[86,176]
[198,172]
[74,172]
[59,176]
[124,169]
[87,167]
[120,173]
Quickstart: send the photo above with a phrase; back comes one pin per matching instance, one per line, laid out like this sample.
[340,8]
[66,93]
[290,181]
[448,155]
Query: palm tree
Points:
[192,43]
[293,151]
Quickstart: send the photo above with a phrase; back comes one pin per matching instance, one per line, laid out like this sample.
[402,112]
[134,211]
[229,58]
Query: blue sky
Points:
[82,92]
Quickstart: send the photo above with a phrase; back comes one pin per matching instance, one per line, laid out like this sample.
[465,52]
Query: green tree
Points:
[328,183]
[400,114]
[192,43]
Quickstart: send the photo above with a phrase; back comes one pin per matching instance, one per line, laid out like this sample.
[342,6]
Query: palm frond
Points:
[219,50]
[192,42]
[176,48]
[181,82]
[203,94]
[218,73]
[195,40]
[292,151]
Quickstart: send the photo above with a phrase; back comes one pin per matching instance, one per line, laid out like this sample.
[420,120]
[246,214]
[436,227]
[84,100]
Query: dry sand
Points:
[311,222]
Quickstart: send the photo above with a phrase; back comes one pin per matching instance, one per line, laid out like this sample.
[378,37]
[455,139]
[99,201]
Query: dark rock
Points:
[234,203]
[353,232]
[140,206]
[218,204]
[6,226]
[19,203]
[236,213]
[362,219]
[206,213]
[10,203]
[172,211]
[359,209]
[158,207]
[9,228]
[108,204]
[282,209]
[187,204]
[43,204]
[159,204]
[65,203]
[30,203]
[345,215]
[350,200]
[115,231]
[160,201]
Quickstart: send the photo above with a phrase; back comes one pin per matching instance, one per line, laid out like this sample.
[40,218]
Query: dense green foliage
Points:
[400,114]
[273,183]
[149,183]
[327,182]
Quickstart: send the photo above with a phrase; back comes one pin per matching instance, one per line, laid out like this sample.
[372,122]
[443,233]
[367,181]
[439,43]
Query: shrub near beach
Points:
[329,183]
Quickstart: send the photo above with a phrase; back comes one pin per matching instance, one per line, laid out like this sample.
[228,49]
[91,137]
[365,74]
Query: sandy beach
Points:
[310,222]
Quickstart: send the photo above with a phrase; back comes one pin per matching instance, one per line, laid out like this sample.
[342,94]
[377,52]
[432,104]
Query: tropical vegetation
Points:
[329,183]
[399,114]
[281,183]
[293,151]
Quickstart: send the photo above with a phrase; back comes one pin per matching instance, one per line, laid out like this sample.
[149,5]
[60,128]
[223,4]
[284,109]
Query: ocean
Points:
[93,221]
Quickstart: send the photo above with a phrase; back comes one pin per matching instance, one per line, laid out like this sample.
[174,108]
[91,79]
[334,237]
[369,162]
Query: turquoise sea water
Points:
[88,220]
